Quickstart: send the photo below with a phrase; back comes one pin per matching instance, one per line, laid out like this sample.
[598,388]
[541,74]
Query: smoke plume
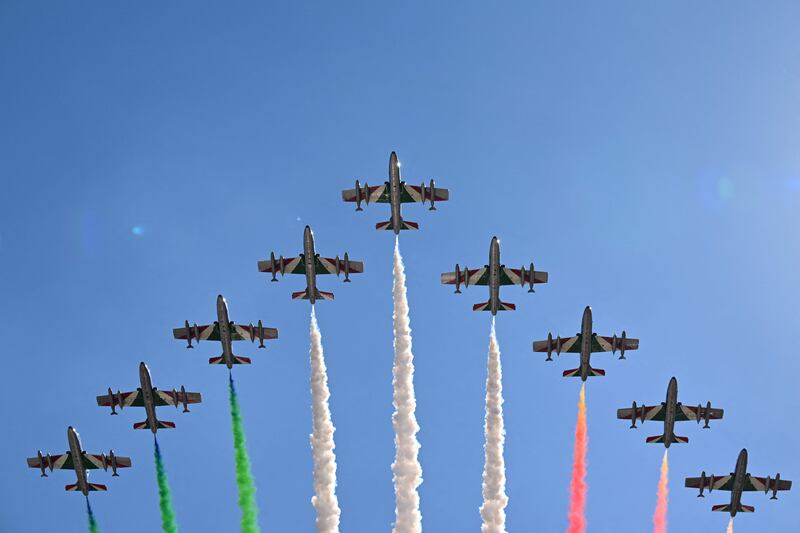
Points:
[406,468]
[244,477]
[168,523]
[730,525]
[324,500]
[577,485]
[92,522]
[660,516]
[494,470]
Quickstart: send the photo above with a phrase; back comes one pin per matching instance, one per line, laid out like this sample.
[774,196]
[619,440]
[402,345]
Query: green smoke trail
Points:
[168,523]
[244,478]
[92,522]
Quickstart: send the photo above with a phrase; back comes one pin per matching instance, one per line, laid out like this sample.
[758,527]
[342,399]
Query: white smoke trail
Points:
[494,470]
[324,500]
[406,468]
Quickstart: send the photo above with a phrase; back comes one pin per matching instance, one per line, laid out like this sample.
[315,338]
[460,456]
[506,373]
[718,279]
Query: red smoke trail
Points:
[730,526]
[660,516]
[577,485]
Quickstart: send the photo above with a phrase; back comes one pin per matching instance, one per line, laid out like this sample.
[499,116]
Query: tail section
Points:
[576,372]
[487,306]
[659,439]
[162,424]
[320,295]
[236,360]
[404,224]
[92,487]
[727,508]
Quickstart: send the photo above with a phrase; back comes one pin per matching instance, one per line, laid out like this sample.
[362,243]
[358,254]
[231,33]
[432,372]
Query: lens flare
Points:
[660,516]
[577,485]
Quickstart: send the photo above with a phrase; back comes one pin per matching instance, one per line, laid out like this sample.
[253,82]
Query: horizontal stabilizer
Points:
[216,360]
[300,295]
[659,439]
[404,224]
[322,295]
[92,487]
[726,508]
[574,373]
[162,424]
[487,306]
[241,360]
[303,295]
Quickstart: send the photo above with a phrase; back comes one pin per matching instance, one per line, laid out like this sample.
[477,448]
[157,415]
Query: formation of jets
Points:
[396,192]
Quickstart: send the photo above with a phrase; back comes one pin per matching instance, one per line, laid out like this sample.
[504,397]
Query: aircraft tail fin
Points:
[92,487]
[576,372]
[404,224]
[487,306]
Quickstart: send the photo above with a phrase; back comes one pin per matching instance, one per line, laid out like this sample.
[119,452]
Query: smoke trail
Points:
[730,526]
[660,516]
[577,485]
[244,478]
[324,500]
[92,522]
[168,523]
[494,469]
[406,468]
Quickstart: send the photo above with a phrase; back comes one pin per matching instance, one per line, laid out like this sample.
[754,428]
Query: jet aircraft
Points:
[737,482]
[585,342]
[77,459]
[311,264]
[149,397]
[669,412]
[395,192]
[225,331]
[494,275]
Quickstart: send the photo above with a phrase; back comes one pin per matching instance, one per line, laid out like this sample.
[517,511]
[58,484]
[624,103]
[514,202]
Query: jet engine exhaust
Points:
[406,469]
[660,515]
[324,500]
[495,499]
[577,484]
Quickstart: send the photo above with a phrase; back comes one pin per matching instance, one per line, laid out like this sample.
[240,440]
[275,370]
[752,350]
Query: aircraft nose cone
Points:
[220,298]
[673,381]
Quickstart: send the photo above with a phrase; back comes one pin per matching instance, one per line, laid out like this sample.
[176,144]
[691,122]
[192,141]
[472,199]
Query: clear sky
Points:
[645,154]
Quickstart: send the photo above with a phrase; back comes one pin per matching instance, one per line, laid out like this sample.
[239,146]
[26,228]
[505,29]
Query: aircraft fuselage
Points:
[147,396]
[394,192]
[740,475]
[309,258]
[224,331]
[494,275]
[76,451]
[671,407]
[586,342]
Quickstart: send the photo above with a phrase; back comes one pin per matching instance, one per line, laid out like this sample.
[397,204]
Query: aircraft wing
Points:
[479,276]
[174,397]
[295,265]
[327,265]
[520,276]
[241,332]
[209,332]
[568,345]
[655,412]
[93,461]
[687,412]
[720,483]
[56,462]
[606,344]
[129,399]
[378,193]
[414,193]
[759,484]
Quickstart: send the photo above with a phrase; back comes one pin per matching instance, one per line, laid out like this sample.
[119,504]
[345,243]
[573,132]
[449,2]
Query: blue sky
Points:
[645,155]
